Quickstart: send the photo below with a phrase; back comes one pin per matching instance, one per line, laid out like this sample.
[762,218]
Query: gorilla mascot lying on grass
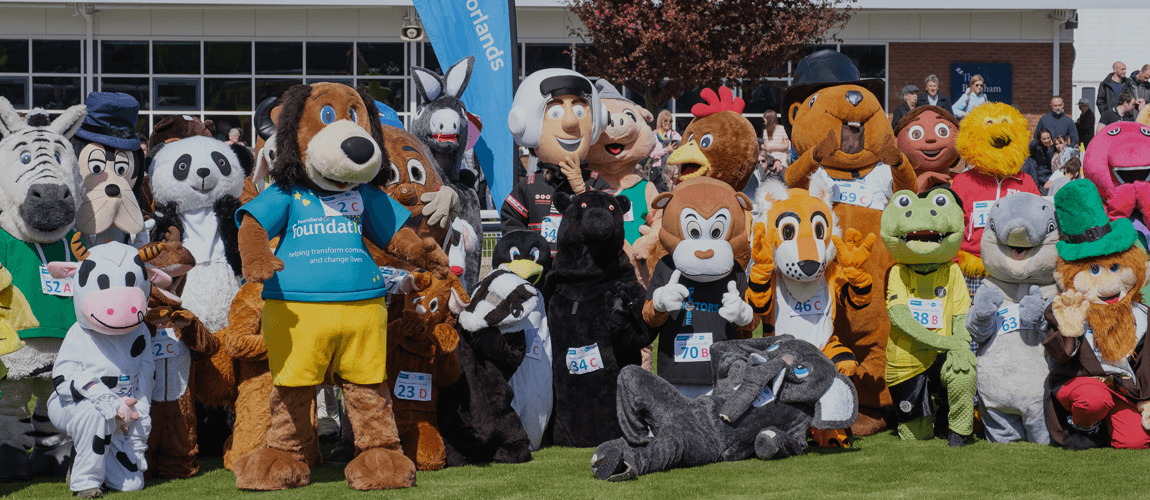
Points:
[768,392]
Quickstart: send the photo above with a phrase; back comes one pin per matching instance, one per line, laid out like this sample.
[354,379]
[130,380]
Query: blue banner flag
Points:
[484,29]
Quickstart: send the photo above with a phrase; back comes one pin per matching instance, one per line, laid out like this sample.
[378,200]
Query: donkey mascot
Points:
[39,197]
[442,124]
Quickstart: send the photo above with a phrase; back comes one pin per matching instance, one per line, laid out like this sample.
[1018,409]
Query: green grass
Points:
[880,467]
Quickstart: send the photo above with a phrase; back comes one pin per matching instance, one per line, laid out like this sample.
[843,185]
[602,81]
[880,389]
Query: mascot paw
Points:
[852,249]
[380,469]
[826,149]
[837,438]
[868,423]
[847,367]
[1070,309]
[607,461]
[269,469]
[261,270]
[889,153]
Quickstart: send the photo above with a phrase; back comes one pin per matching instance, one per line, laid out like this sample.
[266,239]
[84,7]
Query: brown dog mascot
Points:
[323,295]
[836,122]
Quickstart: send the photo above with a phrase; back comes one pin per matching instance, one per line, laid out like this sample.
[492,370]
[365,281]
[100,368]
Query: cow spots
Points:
[86,268]
[126,462]
[138,346]
[99,444]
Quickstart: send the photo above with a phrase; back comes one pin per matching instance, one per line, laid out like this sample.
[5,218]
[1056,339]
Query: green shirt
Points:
[55,314]
[637,194]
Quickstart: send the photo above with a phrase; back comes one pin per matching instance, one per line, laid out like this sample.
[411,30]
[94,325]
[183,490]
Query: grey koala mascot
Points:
[1018,249]
[768,393]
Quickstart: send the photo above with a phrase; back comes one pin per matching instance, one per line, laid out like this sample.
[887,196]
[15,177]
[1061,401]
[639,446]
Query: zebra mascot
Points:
[39,196]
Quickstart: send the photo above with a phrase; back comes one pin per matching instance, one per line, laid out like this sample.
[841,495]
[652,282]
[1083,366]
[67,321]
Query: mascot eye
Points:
[801,371]
[327,115]
[634,119]
[1095,270]
[1145,131]
[773,347]
[579,111]
[535,254]
[1050,228]
[1005,119]
[25,158]
[57,157]
[1113,131]
[354,116]
[583,205]
[97,167]
[717,230]
[992,226]
[706,141]
[820,230]
[416,172]
[990,121]
[788,231]
[941,201]
[514,252]
[121,169]
[811,103]
[694,231]
[555,112]
[942,130]
[917,133]
[516,310]
[433,305]
[1114,268]
[611,207]
[272,155]
[394,174]
[903,200]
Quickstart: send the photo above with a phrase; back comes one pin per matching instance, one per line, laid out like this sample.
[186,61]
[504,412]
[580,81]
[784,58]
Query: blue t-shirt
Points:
[321,241]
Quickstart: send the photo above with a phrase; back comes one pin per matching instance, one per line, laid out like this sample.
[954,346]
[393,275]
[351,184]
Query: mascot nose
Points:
[809,267]
[854,97]
[358,149]
[203,172]
[112,190]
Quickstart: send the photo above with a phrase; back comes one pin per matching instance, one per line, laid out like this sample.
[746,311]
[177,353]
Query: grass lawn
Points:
[880,467]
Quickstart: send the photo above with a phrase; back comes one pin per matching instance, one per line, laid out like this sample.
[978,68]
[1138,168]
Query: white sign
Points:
[584,360]
[980,214]
[53,286]
[854,193]
[550,227]
[927,312]
[165,344]
[413,386]
[349,203]
[693,347]
[1009,320]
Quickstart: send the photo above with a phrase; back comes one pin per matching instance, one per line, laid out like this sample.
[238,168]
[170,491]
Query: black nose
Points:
[854,97]
[203,172]
[809,267]
[358,149]
[112,190]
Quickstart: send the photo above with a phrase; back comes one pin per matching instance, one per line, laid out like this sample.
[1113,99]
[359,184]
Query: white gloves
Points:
[670,297]
[441,207]
[735,309]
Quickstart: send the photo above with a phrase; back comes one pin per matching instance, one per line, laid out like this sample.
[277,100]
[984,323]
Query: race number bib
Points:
[53,286]
[693,347]
[165,344]
[550,227]
[980,214]
[629,215]
[764,397]
[928,313]
[535,348]
[413,386]
[349,203]
[854,193]
[125,386]
[584,360]
[1009,320]
[811,307]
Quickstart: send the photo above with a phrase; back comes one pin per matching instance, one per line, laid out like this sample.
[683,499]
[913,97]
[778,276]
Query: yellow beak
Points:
[687,154]
[526,269]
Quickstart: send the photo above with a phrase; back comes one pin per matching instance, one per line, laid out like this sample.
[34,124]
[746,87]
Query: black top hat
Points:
[825,68]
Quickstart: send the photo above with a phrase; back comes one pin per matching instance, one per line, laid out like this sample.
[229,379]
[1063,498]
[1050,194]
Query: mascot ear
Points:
[456,78]
[624,203]
[822,189]
[457,303]
[837,408]
[427,83]
[744,201]
[562,202]
[794,111]
[68,123]
[247,161]
[662,200]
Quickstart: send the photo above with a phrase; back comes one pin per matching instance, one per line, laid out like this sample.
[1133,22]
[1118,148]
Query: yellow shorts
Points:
[306,338]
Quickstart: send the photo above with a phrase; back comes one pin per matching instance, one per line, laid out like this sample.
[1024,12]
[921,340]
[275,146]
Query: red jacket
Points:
[974,186]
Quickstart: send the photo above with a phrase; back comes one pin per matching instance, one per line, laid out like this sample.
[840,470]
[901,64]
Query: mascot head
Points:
[703,227]
[719,142]
[799,225]
[628,137]
[993,139]
[924,228]
[557,113]
[1018,245]
[1119,154]
[926,135]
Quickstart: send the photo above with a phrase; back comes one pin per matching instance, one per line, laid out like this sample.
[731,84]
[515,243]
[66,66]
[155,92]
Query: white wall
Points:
[1105,36]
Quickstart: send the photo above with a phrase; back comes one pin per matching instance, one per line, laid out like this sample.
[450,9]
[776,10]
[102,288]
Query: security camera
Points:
[411,30]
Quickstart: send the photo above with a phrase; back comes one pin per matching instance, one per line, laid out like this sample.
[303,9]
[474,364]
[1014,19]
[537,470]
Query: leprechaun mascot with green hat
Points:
[1100,384]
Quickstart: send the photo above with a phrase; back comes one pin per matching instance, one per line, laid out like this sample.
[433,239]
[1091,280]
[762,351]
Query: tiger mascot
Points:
[800,266]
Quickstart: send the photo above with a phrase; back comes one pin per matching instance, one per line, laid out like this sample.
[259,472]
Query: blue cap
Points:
[388,116]
[111,120]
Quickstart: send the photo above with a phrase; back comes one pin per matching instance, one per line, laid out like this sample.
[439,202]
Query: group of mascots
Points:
[139,291]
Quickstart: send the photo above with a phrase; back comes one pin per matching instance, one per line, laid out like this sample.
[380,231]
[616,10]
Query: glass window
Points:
[766,95]
[381,58]
[273,88]
[227,58]
[176,58]
[341,81]
[430,62]
[542,56]
[869,59]
[227,94]
[124,57]
[15,89]
[580,49]
[279,57]
[389,92]
[225,123]
[687,99]
[55,56]
[177,94]
[13,56]
[329,58]
[52,92]
[135,87]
